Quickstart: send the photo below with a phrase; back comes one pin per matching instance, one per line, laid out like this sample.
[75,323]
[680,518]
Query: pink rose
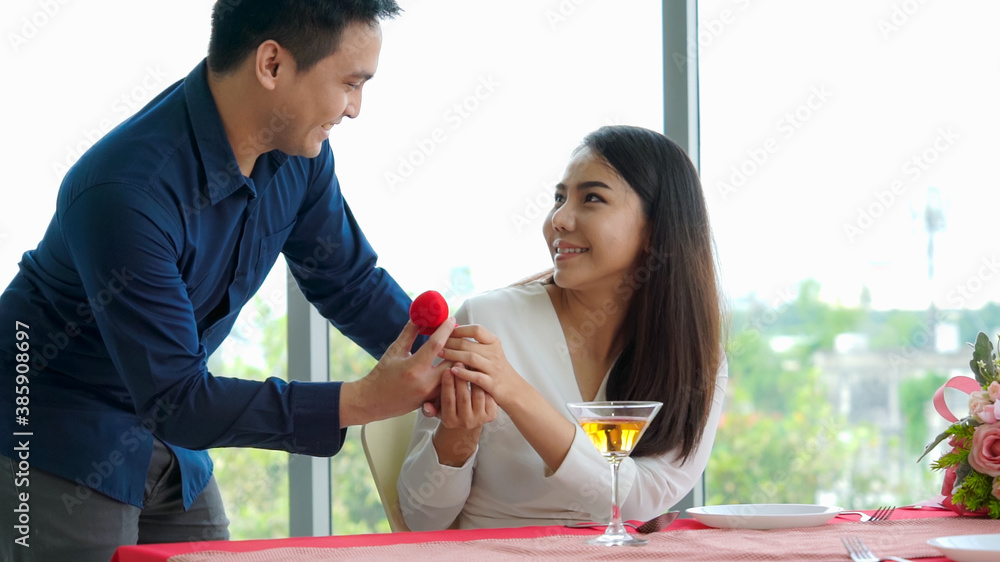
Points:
[990,413]
[948,488]
[978,403]
[983,408]
[984,454]
[994,390]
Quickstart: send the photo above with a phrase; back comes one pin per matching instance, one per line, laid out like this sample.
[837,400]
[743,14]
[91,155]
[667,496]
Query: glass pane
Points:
[356,505]
[450,167]
[466,128]
[257,348]
[65,101]
[844,148]
[64,105]
[463,134]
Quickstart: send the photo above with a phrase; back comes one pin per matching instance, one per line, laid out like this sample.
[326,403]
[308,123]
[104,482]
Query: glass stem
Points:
[615,527]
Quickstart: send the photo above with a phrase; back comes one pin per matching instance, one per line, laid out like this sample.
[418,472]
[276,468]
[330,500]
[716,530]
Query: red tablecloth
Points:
[162,552]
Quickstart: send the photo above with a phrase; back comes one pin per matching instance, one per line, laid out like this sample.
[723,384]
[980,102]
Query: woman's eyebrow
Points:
[585,185]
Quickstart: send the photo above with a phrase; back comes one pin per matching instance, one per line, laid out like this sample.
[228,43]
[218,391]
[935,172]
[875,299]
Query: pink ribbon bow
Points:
[967,385]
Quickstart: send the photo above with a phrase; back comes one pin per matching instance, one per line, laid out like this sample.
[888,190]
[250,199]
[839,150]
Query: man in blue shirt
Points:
[162,232]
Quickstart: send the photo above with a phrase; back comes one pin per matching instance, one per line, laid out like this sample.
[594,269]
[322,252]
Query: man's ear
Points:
[270,63]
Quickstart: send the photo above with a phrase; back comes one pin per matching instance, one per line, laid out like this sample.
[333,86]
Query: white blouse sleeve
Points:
[431,495]
[647,486]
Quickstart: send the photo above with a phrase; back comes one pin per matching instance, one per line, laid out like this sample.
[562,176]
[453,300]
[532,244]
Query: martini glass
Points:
[615,428]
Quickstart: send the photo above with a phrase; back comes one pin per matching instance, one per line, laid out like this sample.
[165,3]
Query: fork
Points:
[883,513]
[860,552]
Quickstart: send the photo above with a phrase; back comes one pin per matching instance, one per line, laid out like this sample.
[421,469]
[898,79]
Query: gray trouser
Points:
[96,526]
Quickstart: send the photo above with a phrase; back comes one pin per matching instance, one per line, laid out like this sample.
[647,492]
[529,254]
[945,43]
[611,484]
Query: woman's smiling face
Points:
[596,230]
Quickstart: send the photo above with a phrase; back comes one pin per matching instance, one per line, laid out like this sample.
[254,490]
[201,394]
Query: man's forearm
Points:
[355,405]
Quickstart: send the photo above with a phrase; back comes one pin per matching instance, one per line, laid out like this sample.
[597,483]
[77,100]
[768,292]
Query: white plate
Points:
[969,548]
[764,515]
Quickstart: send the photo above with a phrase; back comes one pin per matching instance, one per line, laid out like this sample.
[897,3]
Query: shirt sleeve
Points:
[647,486]
[431,495]
[125,246]
[335,266]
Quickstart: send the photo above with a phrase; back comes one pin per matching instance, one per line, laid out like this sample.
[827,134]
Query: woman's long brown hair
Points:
[672,332]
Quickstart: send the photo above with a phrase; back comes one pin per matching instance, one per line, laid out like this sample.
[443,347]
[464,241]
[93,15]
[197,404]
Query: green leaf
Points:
[953,458]
[961,473]
[962,429]
[976,489]
[944,435]
[982,359]
[994,508]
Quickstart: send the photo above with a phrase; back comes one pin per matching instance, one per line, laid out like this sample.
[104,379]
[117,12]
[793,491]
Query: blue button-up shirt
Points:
[157,242]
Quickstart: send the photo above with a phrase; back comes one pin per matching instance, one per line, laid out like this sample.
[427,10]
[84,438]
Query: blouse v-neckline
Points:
[558,340]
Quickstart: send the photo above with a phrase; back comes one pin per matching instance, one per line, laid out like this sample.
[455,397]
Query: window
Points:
[83,69]
[843,151]
[842,146]
[450,167]
[463,134]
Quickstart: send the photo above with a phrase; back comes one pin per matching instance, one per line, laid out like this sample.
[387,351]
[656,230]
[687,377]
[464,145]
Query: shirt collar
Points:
[221,169]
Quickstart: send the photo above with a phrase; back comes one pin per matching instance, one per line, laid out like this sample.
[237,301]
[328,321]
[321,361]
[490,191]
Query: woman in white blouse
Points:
[630,311]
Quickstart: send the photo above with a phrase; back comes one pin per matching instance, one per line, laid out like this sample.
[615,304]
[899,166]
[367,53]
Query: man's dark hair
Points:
[309,29]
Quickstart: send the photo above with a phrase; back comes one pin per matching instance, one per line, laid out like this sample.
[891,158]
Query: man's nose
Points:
[353,108]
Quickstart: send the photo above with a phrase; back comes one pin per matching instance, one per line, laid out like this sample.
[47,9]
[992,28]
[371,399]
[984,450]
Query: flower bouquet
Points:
[972,467]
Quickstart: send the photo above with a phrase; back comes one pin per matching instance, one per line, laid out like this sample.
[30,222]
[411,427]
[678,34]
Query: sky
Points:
[823,126]
[868,105]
